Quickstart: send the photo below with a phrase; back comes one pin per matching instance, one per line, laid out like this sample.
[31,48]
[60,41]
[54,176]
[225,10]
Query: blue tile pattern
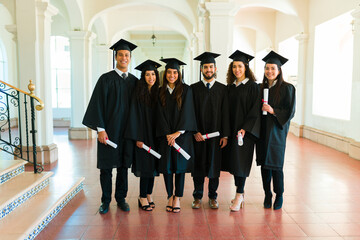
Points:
[20,200]
[54,212]
[7,176]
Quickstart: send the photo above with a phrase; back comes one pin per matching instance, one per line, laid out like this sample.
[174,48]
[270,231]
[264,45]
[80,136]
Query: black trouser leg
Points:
[179,184]
[169,184]
[150,185]
[198,187]
[266,175]
[106,185]
[240,184]
[213,186]
[121,184]
[146,186]
[278,182]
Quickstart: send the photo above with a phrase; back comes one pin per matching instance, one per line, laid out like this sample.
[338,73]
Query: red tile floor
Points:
[321,201]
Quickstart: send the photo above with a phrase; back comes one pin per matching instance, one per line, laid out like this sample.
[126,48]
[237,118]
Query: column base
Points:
[354,149]
[296,129]
[46,154]
[81,133]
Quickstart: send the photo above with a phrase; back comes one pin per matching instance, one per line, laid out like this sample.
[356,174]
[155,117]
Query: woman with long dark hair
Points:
[176,123]
[278,110]
[141,125]
[244,95]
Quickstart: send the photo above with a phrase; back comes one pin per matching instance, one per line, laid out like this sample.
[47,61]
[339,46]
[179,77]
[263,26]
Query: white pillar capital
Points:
[220,9]
[46,10]
[356,13]
[81,35]
[13,30]
[302,37]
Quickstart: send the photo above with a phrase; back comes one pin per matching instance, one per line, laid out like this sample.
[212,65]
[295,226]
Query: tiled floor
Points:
[322,195]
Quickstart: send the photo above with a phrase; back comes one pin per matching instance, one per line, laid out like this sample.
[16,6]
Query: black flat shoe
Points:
[144,207]
[268,201]
[278,202]
[104,208]
[124,206]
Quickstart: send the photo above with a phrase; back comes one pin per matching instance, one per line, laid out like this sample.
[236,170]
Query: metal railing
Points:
[17,135]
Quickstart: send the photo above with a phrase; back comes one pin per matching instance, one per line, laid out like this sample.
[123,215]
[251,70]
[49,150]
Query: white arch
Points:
[75,14]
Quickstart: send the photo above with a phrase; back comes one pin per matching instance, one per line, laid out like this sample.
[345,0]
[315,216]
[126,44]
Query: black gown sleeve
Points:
[252,120]
[286,111]
[95,113]
[187,119]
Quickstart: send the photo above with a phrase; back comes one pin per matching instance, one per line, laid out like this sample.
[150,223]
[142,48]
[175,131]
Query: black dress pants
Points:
[240,184]
[199,187]
[121,185]
[146,186]
[278,181]
[179,184]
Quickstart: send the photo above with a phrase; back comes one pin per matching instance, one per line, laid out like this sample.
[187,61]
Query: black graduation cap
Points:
[122,44]
[241,56]
[207,57]
[148,65]
[172,63]
[275,58]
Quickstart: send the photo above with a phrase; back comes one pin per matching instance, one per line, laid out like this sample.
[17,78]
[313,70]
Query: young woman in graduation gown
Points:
[175,123]
[141,129]
[244,96]
[280,109]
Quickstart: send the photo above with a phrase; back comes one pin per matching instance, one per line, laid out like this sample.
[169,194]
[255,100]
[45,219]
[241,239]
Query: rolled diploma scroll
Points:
[211,135]
[149,150]
[266,98]
[240,139]
[110,143]
[181,151]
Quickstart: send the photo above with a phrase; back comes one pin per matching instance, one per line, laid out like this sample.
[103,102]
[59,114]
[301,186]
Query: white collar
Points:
[211,83]
[120,72]
[273,84]
[242,82]
[170,89]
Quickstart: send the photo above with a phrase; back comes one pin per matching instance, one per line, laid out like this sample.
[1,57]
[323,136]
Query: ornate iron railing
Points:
[17,135]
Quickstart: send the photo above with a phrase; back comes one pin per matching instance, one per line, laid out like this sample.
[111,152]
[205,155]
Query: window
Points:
[60,72]
[333,64]
[289,48]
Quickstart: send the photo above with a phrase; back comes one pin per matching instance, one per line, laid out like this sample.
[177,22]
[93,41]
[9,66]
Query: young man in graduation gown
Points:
[107,114]
[212,115]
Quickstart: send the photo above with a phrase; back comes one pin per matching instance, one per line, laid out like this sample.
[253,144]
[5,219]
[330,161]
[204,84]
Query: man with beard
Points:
[212,115]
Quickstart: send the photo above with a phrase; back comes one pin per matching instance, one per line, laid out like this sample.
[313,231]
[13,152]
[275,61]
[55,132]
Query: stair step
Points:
[20,189]
[27,221]
[10,169]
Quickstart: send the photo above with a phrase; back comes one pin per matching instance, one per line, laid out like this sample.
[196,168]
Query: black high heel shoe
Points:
[144,207]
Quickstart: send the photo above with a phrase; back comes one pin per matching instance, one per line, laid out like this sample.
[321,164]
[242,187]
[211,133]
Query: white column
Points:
[102,62]
[33,20]
[221,34]
[81,83]
[299,118]
[354,148]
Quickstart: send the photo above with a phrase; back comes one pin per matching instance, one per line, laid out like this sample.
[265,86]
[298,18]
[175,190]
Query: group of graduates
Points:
[140,116]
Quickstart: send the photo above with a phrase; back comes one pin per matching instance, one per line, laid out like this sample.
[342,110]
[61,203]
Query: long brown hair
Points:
[142,91]
[178,91]
[280,81]
[230,77]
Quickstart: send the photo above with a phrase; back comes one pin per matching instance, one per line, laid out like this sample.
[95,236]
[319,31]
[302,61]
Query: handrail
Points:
[31,88]
[15,139]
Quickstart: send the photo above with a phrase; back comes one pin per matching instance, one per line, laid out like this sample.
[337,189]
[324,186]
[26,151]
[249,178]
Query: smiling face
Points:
[208,70]
[271,71]
[123,58]
[238,69]
[150,78]
[172,75]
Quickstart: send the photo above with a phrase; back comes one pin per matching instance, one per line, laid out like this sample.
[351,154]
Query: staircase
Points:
[28,201]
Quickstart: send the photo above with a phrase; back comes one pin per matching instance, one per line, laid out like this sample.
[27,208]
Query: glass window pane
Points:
[64,98]
[63,78]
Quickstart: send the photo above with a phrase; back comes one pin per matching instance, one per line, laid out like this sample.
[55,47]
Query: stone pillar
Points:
[81,83]
[102,62]
[221,15]
[33,19]
[299,118]
[354,148]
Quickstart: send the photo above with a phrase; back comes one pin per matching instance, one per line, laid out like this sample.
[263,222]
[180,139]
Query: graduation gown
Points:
[108,108]
[270,149]
[141,127]
[169,120]
[244,114]
[212,115]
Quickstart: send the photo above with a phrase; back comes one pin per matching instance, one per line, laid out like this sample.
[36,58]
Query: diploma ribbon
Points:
[149,149]
[264,101]
[207,136]
[178,150]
